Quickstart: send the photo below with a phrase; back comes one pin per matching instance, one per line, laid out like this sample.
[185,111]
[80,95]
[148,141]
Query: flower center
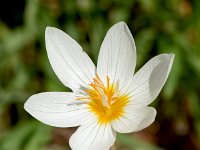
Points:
[105,101]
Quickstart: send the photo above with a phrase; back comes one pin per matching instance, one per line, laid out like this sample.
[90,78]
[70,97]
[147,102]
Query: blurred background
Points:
[157,26]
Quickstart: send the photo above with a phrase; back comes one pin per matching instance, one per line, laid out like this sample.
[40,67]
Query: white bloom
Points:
[106,99]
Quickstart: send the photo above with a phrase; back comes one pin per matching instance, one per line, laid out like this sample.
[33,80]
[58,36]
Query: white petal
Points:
[134,119]
[149,80]
[93,136]
[54,109]
[70,63]
[148,120]
[117,56]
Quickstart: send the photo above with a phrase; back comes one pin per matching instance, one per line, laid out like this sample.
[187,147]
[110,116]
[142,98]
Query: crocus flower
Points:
[105,99]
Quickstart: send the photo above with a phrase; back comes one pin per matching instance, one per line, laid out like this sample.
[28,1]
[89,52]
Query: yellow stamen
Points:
[105,101]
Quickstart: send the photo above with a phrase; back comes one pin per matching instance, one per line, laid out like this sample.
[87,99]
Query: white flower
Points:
[106,99]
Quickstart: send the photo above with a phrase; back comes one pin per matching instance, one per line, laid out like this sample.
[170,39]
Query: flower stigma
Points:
[105,101]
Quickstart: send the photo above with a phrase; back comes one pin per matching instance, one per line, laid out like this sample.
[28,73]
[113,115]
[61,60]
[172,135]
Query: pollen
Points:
[105,101]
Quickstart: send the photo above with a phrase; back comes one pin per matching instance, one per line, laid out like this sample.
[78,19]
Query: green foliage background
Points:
[157,26]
